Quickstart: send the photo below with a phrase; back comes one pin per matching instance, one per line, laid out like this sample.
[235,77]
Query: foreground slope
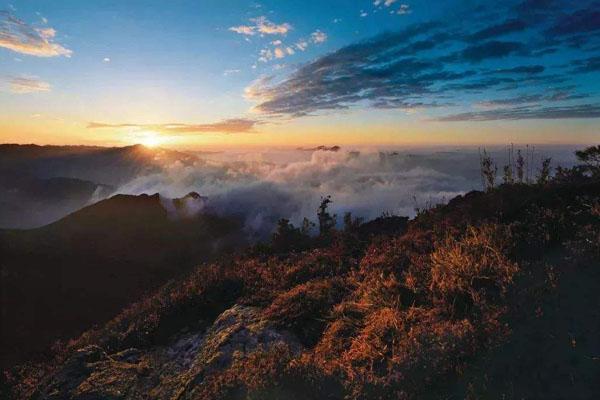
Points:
[494,295]
[81,270]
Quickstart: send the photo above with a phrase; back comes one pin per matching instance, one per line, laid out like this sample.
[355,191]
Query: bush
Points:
[305,308]
[474,269]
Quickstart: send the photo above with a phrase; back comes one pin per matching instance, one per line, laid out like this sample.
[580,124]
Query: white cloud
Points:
[404,9]
[261,187]
[228,72]
[302,45]
[22,38]
[279,53]
[265,55]
[386,3]
[276,42]
[262,26]
[318,36]
[243,30]
[106,59]
[363,13]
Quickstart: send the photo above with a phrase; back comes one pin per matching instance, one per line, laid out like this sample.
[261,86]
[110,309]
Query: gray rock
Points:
[173,371]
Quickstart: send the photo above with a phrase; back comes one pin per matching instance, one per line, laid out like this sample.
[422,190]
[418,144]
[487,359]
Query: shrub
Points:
[402,354]
[305,308]
[473,269]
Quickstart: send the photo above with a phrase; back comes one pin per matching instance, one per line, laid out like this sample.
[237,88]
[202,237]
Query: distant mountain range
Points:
[40,184]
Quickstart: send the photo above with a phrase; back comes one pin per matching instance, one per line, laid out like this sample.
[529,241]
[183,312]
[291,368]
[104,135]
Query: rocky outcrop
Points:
[173,371]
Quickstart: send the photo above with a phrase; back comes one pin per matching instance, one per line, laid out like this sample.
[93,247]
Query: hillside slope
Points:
[65,277]
[494,296]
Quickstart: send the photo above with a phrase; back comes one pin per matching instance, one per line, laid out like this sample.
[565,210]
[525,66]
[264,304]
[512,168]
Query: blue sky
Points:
[387,70]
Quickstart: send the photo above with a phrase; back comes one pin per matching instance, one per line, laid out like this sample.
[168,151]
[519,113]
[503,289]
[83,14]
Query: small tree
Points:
[507,177]
[289,238]
[590,157]
[544,173]
[326,220]
[520,166]
[351,224]
[488,170]
[307,226]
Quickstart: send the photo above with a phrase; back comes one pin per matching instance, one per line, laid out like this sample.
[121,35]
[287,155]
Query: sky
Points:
[215,73]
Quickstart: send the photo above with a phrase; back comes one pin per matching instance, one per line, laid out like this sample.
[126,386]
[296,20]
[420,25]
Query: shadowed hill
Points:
[64,277]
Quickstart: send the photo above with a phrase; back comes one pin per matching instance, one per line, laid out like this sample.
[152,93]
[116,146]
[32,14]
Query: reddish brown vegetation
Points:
[458,305]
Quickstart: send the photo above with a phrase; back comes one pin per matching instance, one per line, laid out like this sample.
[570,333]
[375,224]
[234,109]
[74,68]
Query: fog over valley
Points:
[258,186]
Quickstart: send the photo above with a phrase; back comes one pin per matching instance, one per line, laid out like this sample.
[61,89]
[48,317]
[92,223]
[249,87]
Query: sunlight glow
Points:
[151,139]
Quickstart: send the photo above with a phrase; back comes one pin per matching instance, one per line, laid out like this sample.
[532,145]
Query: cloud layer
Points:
[440,63]
[262,187]
[235,125]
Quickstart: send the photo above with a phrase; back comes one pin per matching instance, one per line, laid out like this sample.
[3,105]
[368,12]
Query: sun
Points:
[151,139]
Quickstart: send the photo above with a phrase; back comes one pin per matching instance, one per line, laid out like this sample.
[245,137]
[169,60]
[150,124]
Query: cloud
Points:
[404,9]
[344,77]
[524,99]
[318,37]
[228,72]
[301,45]
[580,21]
[591,64]
[234,125]
[363,13]
[504,28]
[263,187]
[22,38]
[265,55]
[436,63]
[385,3]
[261,25]
[523,69]
[106,60]
[279,53]
[24,85]
[561,112]
[491,49]
[243,30]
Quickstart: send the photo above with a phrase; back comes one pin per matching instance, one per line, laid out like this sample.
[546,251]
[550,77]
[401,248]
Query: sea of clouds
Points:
[263,186]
